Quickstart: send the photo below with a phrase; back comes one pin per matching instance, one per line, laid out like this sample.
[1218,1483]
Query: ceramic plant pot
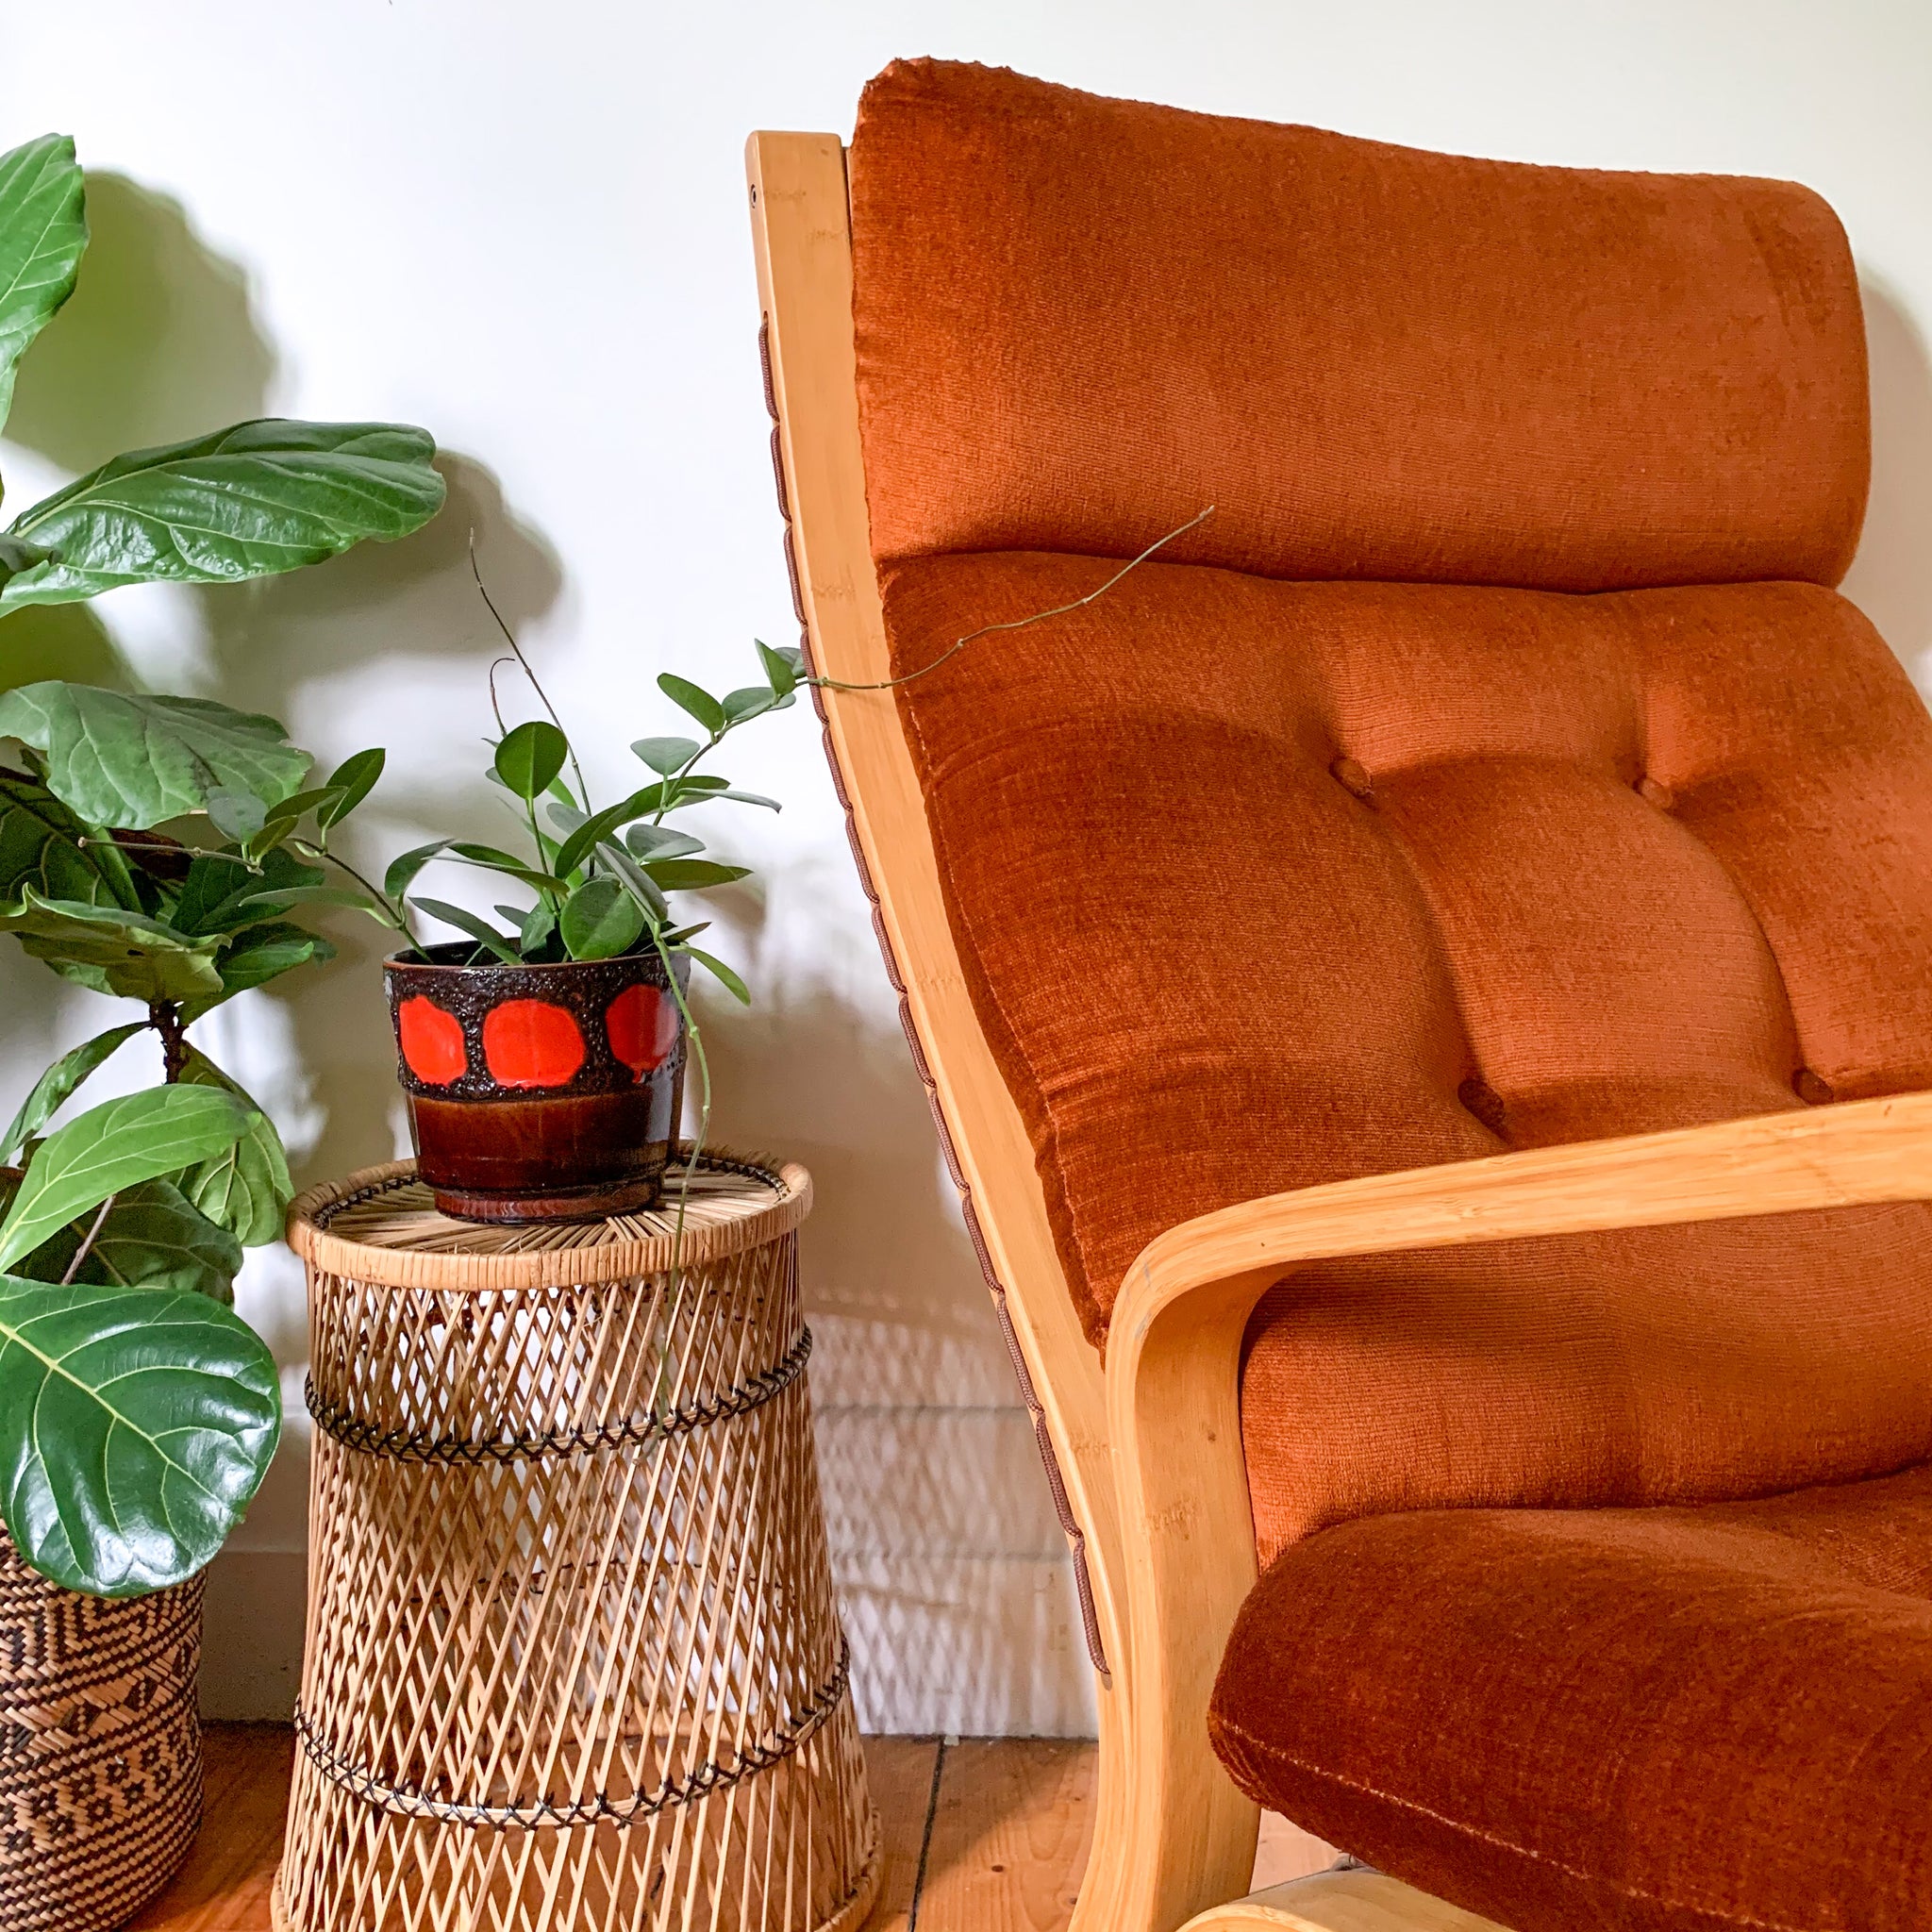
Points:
[537,1093]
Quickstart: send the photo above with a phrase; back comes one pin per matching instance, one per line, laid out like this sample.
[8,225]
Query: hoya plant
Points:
[164,850]
[600,880]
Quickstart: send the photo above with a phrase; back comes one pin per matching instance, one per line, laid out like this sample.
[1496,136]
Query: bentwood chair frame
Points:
[1150,1449]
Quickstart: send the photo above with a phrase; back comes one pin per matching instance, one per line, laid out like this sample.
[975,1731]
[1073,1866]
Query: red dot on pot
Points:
[531,1044]
[432,1041]
[642,1025]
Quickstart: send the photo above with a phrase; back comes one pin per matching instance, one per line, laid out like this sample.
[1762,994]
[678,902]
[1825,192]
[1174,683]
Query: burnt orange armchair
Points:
[1428,982]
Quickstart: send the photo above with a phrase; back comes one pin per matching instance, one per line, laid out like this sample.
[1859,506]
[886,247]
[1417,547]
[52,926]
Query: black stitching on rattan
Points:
[409,1801]
[633,1431]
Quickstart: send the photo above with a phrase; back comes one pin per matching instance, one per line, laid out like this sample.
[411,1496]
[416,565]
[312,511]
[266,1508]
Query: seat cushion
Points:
[1652,1720]
[1078,320]
[1259,885]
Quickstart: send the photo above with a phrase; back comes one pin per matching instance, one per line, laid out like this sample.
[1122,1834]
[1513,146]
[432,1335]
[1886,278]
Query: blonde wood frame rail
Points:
[802,235]
[1170,1539]
[1173,1403]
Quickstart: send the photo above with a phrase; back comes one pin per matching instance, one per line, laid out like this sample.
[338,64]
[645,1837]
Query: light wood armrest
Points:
[1173,1397]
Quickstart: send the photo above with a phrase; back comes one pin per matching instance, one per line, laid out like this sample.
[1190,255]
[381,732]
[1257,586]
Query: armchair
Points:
[1387,938]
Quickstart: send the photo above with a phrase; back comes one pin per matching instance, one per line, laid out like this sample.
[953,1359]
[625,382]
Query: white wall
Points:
[524,226]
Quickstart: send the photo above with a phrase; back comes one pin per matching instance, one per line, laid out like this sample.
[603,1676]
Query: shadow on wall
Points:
[1890,579]
[160,341]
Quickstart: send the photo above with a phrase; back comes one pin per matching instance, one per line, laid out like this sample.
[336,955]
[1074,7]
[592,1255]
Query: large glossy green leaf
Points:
[44,845]
[125,952]
[247,502]
[42,236]
[215,896]
[150,1236]
[53,1090]
[135,1426]
[138,1137]
[245,1188]
[127,758]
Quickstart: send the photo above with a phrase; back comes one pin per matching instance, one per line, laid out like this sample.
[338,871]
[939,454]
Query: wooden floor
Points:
[985,1835]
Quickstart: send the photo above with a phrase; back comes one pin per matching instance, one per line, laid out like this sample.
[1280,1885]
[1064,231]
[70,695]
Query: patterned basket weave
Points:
[573,1659]
[100,1749]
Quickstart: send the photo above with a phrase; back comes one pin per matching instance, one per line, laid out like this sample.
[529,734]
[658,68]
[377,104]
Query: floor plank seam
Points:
[932,1811]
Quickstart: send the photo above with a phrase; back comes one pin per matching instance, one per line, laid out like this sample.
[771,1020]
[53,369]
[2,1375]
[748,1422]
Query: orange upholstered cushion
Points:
[1080,320]
[1668,1720]
[1263,884]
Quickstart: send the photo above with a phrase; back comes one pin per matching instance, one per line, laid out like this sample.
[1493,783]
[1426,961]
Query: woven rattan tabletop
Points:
[380,1224]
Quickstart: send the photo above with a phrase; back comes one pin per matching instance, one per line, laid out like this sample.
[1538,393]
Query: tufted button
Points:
[1485,1102]
[1653,793]
[1813,1089]
[1352,778]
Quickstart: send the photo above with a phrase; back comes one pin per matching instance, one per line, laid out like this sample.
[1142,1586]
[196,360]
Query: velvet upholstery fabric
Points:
[1260,884]
[1575,1720]
[1080,320]
[1497,768]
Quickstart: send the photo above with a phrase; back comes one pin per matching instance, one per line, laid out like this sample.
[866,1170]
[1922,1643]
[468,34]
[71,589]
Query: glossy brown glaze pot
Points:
[537,1093]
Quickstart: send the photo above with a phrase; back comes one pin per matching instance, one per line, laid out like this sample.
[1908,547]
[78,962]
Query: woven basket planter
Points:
[100,1749]
[574,1663]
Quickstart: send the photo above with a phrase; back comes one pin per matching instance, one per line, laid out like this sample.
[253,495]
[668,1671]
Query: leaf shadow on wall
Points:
[1890,579]
[160,341]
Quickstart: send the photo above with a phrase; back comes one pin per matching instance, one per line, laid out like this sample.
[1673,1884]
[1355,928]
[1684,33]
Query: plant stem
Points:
[691,1033]
[81,1253]
[543,697]
[958,644]
[397,917]
[164,1016]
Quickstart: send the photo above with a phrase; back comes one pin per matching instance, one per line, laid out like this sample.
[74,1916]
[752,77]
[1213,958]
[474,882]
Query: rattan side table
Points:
[573,1660]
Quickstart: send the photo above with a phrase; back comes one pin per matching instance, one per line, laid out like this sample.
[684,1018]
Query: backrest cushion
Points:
[1274,874]
[1079,321]
[1259,885]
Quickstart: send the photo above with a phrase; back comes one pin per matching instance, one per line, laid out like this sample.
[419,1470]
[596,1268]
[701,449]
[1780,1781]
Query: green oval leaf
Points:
[694,874]
[660,841]
[402,871]
[779,669]
[530,756]
[135,1426]
[693,698]
[354,779]
[723,974]
[124,758]
[667,755]
[137,1138]
[246,502]
[599,921]
[478,929]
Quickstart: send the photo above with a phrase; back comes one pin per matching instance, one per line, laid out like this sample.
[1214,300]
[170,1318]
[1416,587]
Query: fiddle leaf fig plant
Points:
[161,849]
[138,1414]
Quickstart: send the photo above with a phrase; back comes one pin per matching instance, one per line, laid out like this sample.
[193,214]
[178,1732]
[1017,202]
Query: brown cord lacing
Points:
[412,1801]
[416,1445]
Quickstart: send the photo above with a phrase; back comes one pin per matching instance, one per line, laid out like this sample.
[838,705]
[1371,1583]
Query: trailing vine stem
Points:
[958,644]
[535,684]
